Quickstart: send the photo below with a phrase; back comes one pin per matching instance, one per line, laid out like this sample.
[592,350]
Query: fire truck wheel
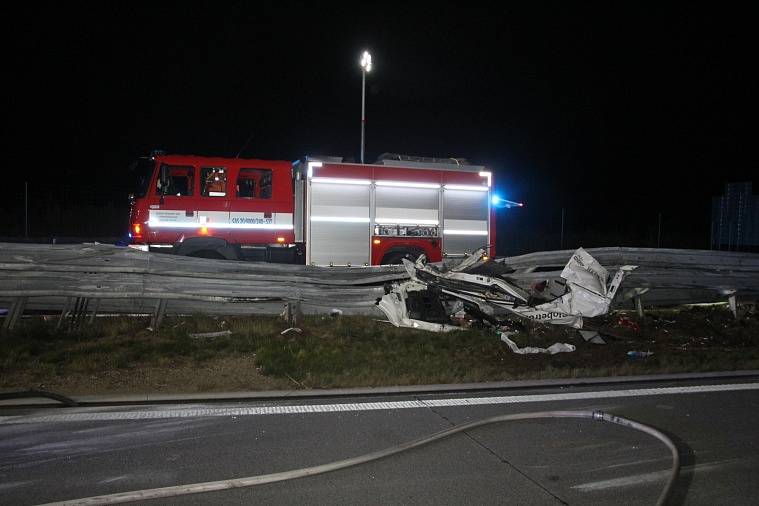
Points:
[207,254]
[395,257]
[207,247]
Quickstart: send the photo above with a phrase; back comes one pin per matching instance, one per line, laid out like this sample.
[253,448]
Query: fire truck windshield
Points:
[142,170]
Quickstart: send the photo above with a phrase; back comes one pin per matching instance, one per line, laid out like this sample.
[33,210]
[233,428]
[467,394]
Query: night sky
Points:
[613,113]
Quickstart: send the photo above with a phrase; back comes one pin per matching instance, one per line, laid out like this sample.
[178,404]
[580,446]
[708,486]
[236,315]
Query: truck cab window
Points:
[214,180]
[175,180]
[142,170]
[254,184]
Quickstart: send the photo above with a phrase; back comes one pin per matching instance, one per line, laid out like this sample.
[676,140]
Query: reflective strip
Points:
[464,232]
[407,185]
[340,219]
[311,166]
[72,415]
[337,180]
[466,187]
[223,226]
[266,226]
[404,221]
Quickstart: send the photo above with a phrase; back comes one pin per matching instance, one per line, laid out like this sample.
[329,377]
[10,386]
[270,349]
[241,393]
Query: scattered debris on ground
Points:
[210,334]
[117,354]
[591,336]
[528,350]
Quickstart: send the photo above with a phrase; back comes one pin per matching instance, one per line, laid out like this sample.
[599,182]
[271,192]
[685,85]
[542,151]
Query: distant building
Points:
[735,218]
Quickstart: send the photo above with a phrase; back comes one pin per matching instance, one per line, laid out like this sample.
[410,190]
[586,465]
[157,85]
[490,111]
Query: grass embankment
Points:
[117,355]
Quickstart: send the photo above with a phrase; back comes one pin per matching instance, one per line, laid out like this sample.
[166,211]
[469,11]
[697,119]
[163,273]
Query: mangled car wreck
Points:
[435,297]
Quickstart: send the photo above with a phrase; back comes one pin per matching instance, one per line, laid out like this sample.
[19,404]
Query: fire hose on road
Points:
[251,481]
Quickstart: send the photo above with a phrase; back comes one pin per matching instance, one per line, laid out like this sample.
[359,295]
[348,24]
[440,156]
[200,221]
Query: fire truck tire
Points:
[206,253]
[207,247]
[395,257]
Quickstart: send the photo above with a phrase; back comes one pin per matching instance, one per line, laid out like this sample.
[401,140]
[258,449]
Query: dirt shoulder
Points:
[118,355]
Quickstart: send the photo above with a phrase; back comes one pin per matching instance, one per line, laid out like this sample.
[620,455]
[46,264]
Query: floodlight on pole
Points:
[366,66]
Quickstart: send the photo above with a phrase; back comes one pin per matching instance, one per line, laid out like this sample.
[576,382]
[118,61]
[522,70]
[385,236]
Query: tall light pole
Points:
[366,66]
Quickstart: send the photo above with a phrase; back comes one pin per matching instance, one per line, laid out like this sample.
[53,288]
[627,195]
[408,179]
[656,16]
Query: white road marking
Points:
[207,411]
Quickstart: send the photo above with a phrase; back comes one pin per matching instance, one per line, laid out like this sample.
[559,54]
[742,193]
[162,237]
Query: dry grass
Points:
[120,355]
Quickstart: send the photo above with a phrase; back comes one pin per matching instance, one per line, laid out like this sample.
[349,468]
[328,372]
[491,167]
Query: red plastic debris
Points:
[627,322]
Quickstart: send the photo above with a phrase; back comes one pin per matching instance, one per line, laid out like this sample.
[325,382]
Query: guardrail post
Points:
[17,309]
[639,306]
[79,313]
[63,313]
[160,310]
[94,312]
[733,306]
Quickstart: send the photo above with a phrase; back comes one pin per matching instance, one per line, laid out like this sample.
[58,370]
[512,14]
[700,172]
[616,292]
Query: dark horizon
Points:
[613,113]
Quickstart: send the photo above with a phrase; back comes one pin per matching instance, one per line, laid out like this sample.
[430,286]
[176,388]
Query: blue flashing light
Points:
[503,203]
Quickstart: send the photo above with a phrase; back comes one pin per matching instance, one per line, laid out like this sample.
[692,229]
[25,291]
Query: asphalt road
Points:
[58,454]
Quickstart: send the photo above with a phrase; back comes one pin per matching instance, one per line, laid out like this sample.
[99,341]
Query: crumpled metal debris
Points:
[394,305]
[587,293]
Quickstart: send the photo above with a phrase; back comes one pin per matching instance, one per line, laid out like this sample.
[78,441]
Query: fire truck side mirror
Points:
[163,177]
[163,180]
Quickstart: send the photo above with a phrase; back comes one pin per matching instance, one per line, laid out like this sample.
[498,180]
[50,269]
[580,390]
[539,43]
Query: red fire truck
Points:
[317,211]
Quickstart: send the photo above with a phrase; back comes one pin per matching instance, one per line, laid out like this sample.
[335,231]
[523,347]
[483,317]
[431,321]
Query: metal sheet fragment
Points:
[588,291]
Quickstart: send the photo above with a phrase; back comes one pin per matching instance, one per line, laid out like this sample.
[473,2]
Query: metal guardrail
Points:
[81,280]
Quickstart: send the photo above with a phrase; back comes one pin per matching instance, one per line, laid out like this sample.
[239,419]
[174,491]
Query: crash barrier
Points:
[663,277]
[83,280]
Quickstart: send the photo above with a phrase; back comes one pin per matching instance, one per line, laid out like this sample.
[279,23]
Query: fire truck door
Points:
[465,227]
[339,223]
[213,203]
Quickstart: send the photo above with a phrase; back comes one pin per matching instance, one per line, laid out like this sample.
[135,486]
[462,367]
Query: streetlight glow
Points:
[366,61]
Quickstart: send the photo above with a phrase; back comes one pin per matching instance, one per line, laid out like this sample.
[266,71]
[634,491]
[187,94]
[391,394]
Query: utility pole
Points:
[26,209]
[658,236]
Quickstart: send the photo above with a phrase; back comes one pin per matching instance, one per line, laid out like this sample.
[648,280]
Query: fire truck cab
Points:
[317,211]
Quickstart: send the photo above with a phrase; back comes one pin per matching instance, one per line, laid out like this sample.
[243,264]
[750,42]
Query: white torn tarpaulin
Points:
[396,309]
[587,293]
[527,350]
